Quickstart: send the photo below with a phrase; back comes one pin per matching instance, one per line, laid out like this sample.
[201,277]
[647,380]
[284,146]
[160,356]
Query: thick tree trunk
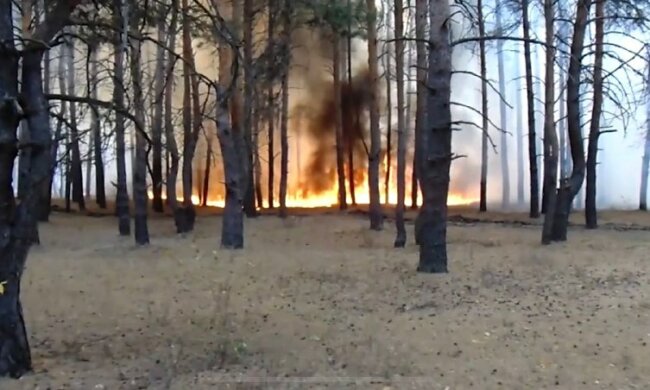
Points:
[376,214]
[15,358]
[121,8]
[76,167]
[561,220]
[530,101]
[140,196]
[157,122]
[232,231]
[400,239]
[421,8]
[340,155]
[505,171]
[591,215]
[550,136]
[438,155]
[484,109]
[645,163]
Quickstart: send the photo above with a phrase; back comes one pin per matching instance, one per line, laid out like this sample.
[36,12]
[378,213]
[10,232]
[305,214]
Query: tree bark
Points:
[561,220]
[170,137]
[591,215]
[520,133]
[100,189]
[550,136]
[376,214]
[76,168]
[206,175]
[249,77]
[284,117]
[400,239]
[121,47]
[232,231]
[505,171]
[389,110]
[530,100]
[256,154]
[438,155]
[350,146]
[140,196]
[421,9]
[645,163]
[340,155]
[157,122]
[484,109]
[15,357]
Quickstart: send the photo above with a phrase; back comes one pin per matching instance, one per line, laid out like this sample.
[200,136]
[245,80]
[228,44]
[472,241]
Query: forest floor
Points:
[318,301]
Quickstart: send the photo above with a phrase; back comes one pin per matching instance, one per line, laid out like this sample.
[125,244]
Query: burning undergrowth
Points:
[320,129]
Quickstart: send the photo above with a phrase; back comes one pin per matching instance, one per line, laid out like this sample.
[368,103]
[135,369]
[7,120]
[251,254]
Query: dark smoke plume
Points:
[320,173]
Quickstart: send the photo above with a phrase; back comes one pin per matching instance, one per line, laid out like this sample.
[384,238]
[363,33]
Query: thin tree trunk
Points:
[256,154]
[505,171]
[389,110]
[574,183]
[340,156]
[530,101]
[435,172]
[206,175]
[400,239]
[140,197]
[421,10]
[121,47]
[645,164]
[100,190]
[270,110]
[484,110]
[550,136]
[170,137]
[539,145]
[249,77]
[76,168]
[520,133]
[591,215]
[351,175]
[284,119]
[157,122]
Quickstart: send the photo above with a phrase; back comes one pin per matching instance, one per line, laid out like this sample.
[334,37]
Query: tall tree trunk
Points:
[76,168]
[376,214]
[550,136]
[539,140]
[389,108]
[530,101]
[249,77]
[157,122]
[520,133]
[421,10]
[591,215]
[562,39]
[170,137]
[400,239]
[645,163]
[484,109]
[140,196]
[46,205]
[256,154]
[340,155]
[232,231]
[570,188]
[350,146]
[100,190]
[435,167]
[270,110]
[284,117]
[505,171]
[15,358]
[121,47]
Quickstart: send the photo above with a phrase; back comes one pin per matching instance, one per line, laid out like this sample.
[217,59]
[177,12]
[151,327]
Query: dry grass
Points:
[321,296]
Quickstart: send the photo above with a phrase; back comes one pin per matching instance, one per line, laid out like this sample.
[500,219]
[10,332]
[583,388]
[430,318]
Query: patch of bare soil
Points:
[320,302]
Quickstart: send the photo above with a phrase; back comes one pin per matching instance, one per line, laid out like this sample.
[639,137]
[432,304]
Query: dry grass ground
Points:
[321,297]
